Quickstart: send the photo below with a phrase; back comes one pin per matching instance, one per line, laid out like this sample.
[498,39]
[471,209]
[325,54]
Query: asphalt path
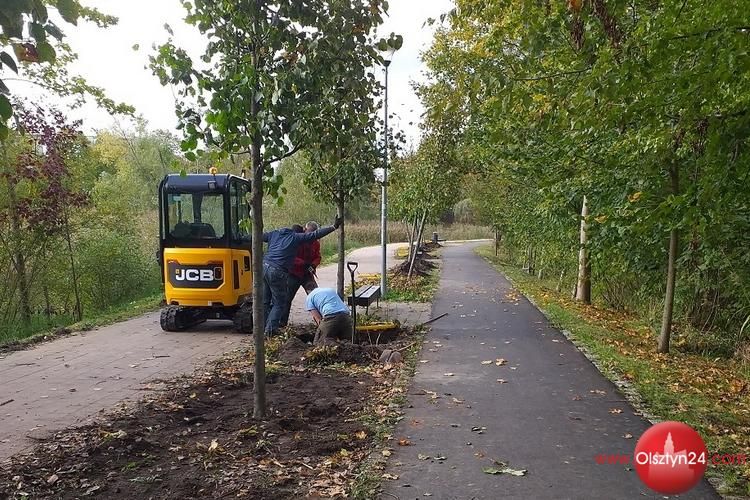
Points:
[536,404]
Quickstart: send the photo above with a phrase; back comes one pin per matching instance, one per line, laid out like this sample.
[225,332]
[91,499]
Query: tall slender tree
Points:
[266,67]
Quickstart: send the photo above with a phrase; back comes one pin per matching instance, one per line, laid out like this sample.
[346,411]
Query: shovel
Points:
[352,266]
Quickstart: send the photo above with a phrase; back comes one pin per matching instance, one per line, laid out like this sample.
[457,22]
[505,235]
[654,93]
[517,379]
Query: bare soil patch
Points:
[198,438]
[19,345]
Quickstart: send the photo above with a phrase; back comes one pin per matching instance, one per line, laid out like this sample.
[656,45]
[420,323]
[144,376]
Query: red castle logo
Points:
[671,466]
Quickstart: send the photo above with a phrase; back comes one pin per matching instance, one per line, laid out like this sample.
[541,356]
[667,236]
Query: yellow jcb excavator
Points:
[204,251]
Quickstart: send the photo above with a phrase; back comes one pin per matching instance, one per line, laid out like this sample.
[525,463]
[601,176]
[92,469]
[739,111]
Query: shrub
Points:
[113,268]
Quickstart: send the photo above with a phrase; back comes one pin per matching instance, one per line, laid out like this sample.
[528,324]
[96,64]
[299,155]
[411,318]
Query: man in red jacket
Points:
[302,271]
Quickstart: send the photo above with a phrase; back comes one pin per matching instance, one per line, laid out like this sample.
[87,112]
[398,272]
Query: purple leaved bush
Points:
[40,172]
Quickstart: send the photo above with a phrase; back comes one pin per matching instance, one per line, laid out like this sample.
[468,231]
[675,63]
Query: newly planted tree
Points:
[425,184]
[345,154]
[266,66]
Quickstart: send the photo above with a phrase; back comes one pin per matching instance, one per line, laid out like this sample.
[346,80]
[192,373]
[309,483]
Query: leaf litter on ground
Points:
[503,468]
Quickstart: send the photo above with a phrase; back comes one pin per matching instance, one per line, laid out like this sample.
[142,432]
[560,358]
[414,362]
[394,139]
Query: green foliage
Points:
[113,235]
[272,90]
[38,48]
[300,202]
[640,106]
[114,268]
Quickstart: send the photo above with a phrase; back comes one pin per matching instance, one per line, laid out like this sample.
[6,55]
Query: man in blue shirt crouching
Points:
[330,313]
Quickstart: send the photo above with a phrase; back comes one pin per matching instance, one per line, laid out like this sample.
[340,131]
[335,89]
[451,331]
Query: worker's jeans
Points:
[332,328]
[274,296]
[292,285]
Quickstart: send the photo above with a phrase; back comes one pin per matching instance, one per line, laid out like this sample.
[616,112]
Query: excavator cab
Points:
[204,250]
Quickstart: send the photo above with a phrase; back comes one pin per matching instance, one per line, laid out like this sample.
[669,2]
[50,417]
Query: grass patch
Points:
[416,289]
[402,289]
[711,395]
[17,338]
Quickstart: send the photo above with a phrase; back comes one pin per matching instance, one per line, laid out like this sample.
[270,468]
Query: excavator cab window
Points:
[195,216]
[239,211]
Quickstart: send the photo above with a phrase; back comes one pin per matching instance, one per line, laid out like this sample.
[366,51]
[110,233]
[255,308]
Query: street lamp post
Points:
[387,56]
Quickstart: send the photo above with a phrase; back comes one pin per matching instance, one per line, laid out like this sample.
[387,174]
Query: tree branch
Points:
[285,155]
[554,75]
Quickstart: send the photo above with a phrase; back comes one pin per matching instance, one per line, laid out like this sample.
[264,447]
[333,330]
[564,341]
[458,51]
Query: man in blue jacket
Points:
[282,247]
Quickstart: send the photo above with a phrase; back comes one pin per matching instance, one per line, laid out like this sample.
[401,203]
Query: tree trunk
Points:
[19,259]
[666,320]
[560,281]
[259,375]
[342,247]
[23,288]
[530,259]
[412,234]
[417,244]
[47,305]
[78,311]
[497,241]
[583,288]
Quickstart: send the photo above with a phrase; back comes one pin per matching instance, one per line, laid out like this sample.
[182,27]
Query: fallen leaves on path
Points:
[706,392]
[615,411]
[500,362]
[502,469]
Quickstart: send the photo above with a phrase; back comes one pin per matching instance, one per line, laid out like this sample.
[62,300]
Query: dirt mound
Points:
[422,267]
[296,352]
[359,354]
[199,440]
[19,345]
[293,351]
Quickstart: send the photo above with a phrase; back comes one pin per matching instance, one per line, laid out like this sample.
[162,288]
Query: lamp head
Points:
[388,55]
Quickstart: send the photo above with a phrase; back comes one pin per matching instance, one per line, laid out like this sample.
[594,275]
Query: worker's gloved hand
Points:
[337,222]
